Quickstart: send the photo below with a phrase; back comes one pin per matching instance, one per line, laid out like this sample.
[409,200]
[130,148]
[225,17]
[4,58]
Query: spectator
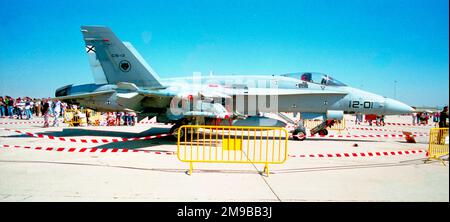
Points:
[63,108]
[132,118]
[19,108]
[56,112]
[414,117]
[10,104]
[50,104]
[128,120]
[110,119]
[28,109]
[359,118]
[436,116]
[37,107]
[377,121]
[2,107]
[443,118]
[125,119]
[382,123]
[118,118]
[45,112]
[426,117]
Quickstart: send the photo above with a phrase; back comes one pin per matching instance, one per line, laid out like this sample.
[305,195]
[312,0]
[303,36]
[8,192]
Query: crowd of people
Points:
[26,108]
[438,118]
[424,117]
[370,118]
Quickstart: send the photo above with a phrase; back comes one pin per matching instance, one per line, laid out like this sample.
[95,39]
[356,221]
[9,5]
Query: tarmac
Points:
[149,170]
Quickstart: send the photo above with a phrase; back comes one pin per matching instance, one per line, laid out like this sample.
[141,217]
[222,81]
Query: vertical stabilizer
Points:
[117,61]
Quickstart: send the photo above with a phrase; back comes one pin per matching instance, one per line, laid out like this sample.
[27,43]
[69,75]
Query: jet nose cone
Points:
[394,107]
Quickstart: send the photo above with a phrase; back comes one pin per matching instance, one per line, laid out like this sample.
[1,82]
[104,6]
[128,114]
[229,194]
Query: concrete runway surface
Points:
[153,172]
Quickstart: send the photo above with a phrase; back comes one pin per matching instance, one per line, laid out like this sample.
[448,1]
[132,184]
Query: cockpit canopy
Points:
[318,78]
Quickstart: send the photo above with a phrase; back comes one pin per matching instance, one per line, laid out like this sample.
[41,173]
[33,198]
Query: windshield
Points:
[318,78]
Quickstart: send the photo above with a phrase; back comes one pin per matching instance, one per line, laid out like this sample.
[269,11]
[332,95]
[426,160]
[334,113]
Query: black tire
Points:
[175,130]
[323,132]
[299,135]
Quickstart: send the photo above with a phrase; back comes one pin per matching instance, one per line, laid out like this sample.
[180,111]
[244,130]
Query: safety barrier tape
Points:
[90,150]
[77,140]
[41,122]
[366,136]
[126,150]
[27,122]
[361,154]
[96,141]
[400,124]
[385,130]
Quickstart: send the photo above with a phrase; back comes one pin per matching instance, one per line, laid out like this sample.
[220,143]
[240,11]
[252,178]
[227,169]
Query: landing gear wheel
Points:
[299,135]
[323,132]
[175,130]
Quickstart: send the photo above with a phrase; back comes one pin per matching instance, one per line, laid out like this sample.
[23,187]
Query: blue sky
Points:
[366,44]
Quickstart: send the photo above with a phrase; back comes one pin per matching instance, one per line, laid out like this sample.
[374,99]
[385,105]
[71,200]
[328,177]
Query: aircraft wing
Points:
[166,93]
[214,94]
[85,95]
[154,93]
[280,92]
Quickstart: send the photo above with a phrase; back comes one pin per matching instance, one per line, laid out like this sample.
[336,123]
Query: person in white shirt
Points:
[50,103]
[57,112]
[20,106]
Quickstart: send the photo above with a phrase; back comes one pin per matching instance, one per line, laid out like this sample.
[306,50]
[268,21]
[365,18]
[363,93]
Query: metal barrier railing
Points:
[232,144]
[78,117]
[438,146]
[73,117]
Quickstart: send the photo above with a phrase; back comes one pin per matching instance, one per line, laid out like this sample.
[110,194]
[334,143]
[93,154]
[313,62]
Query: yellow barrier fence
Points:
[73,117]
[232,144]
[79,117]
[438,146]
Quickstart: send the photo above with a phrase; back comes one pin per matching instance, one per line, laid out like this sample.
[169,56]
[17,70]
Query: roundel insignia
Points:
[124,65]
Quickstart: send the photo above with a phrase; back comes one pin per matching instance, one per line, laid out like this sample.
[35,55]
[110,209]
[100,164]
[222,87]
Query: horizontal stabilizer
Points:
[85,95]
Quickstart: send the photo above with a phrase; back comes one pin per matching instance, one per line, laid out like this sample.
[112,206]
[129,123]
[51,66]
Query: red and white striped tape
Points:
[361,154]
[77,140]
[90,150]
[401,124]
[41,122]
[126,150]
[26,122]
[366,136]
[384,130]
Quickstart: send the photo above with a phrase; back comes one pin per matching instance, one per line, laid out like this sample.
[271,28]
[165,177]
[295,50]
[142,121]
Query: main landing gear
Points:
[321,129]
[299,133]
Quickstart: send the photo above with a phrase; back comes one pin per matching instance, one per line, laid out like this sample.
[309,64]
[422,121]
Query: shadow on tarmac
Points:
[285,171]
[71,132]
[351,167]
[165,170]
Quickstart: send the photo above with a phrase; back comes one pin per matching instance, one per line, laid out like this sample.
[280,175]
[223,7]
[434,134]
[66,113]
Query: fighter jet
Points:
[124,82]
